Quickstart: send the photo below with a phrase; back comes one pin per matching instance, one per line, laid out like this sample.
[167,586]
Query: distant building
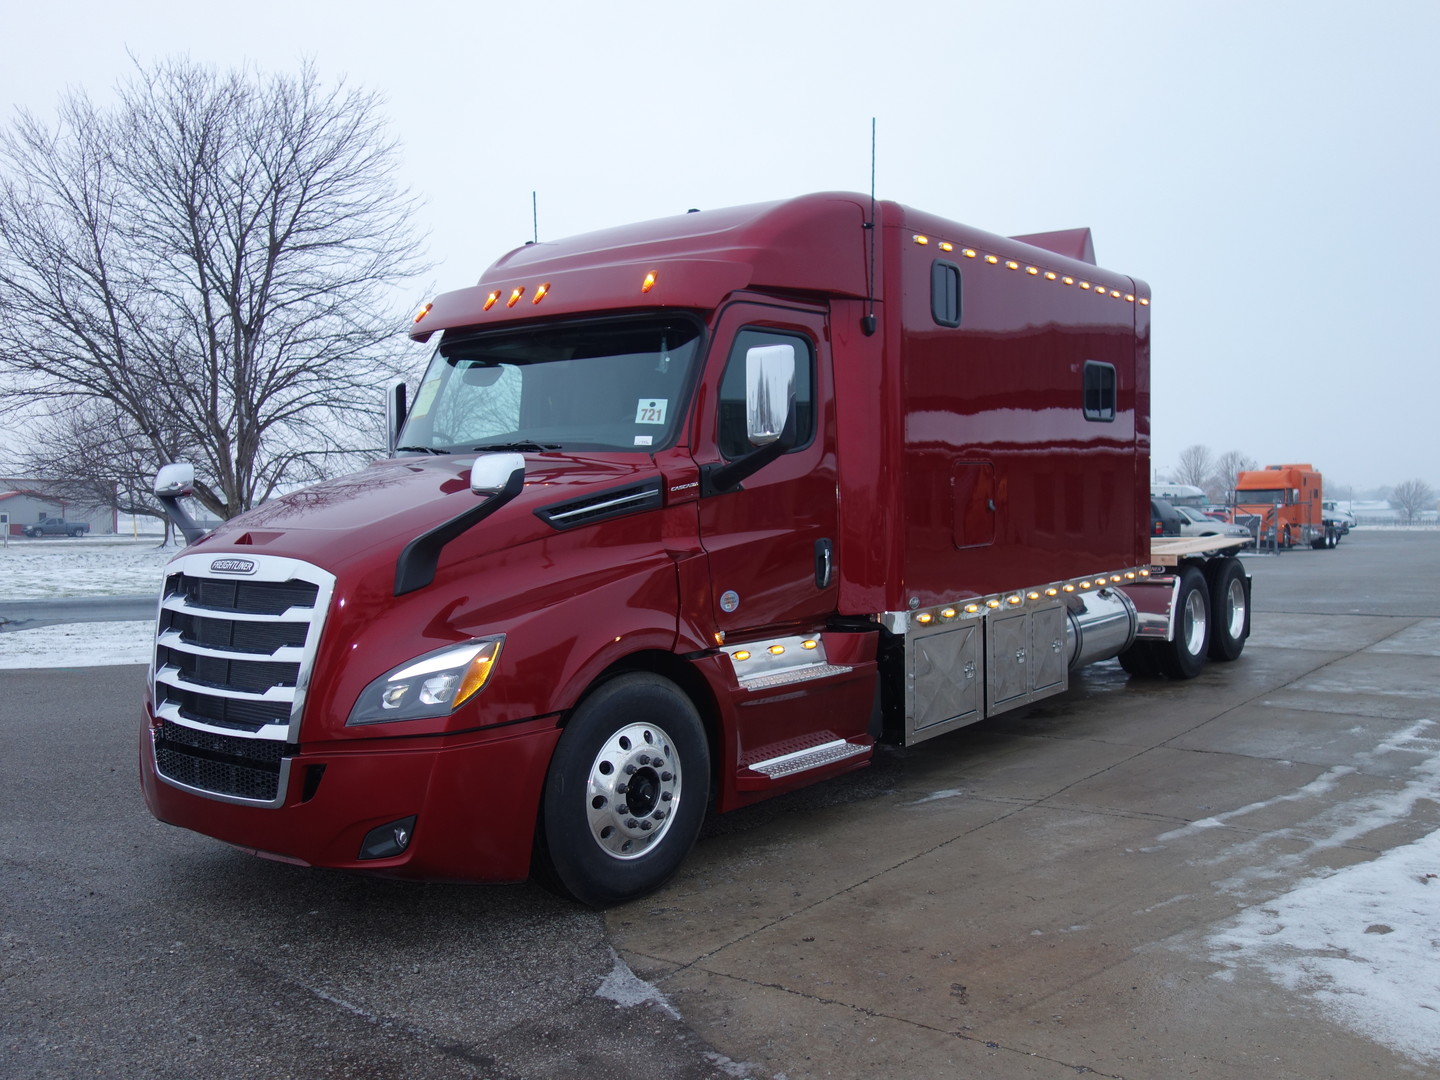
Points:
[27,501]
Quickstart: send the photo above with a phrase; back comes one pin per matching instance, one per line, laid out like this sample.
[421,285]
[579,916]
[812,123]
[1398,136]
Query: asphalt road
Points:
[29,614]
[973,907]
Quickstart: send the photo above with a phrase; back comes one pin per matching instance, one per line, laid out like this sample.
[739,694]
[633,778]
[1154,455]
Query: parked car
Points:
[57,527]
[1343,520]
[1195,523]
[1164,519]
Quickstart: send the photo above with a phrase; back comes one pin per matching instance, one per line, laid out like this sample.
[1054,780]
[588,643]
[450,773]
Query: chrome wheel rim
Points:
[1193,623]
[634,791]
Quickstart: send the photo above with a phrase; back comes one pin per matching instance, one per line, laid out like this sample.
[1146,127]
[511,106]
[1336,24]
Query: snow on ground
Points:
[1361,942]
[96,644]
[93,566]
[102,566]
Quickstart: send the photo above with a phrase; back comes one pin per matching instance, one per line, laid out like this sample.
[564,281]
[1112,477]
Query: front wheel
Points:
[1183,657]
[626,791]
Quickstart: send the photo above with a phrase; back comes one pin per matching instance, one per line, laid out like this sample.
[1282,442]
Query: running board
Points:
[811,758]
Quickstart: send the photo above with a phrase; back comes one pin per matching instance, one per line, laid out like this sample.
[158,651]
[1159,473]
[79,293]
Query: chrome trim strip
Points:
[269,732]
[170,676]
[181,604]
[286,654]
[624,500]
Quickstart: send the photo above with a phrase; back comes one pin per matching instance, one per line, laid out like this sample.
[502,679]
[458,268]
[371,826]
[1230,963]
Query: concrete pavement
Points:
[1050,894]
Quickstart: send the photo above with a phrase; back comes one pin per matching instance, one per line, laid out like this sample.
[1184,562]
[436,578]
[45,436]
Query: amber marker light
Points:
[948,613]
[1052,591]
[776,650]
[921,239]
[540,293]
[925,619]
[1050,275]
[649,282]
[515,296]
[1032,270]
[1068,280]
[423,312]
[945,245]
[477,673]
[811,644]
[969,253]
[491,299]
[971,609]
[991,259]
[1012,265]
[742,654]
[992,603]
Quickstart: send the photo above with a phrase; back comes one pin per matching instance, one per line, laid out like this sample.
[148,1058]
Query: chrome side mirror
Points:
[769,391]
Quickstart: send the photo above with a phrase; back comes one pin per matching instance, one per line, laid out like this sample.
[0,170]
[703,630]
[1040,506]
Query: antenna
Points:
[867,323]
[534,218]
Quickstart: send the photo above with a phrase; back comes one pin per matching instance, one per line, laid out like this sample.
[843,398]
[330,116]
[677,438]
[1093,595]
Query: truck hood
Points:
[383,507]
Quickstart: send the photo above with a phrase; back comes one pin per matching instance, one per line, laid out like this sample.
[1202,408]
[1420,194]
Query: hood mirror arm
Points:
[415,568]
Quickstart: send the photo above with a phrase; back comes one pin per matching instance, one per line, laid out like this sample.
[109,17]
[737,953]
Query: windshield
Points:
[619,385]
[1266,498]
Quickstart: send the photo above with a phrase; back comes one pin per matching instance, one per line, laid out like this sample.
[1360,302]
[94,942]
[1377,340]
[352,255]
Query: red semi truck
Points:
[682,515]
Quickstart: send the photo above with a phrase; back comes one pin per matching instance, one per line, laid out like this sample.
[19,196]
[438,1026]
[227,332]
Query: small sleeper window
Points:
[945,292]
[1099,401]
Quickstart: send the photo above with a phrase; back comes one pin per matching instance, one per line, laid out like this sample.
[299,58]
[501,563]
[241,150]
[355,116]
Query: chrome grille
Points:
[232,661]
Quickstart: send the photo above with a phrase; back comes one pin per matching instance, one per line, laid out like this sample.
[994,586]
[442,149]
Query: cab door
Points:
[771,543]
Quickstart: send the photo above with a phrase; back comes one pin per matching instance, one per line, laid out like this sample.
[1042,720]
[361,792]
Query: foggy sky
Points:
[1268,168]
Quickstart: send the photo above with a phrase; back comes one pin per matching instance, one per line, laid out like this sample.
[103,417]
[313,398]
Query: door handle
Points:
[824,563]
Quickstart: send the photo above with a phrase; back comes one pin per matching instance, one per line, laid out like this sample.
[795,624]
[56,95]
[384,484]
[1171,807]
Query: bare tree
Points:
[1228,466]
[1412,497]
[214,259]
[1195,466]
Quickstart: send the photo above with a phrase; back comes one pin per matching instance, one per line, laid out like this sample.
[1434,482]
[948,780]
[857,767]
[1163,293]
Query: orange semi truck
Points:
[1288,501]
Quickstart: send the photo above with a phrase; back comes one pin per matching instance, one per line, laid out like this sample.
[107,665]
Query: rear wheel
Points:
[626,791]
[1184,656]
[1229,608]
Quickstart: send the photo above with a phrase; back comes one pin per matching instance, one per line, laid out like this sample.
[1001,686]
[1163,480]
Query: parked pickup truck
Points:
[57,527]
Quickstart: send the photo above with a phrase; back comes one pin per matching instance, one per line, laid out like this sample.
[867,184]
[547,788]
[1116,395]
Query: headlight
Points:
[435,684]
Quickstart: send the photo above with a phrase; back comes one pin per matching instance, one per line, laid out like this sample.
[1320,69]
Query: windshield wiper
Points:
[419,449]
[519,447]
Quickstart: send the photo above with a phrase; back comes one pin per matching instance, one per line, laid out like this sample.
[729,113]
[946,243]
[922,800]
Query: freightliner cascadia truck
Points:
[682,515]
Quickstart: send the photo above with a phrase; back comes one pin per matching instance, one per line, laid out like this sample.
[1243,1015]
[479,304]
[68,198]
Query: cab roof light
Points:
[425,310]
[491,299]
[919,238]
[945,245]
[540,293]
[649,282]
[969,253]
[515,295]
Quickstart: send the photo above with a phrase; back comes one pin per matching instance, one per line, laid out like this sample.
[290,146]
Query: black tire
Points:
[1184,657]
[626,791]
[1229,608]
[1140,660]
